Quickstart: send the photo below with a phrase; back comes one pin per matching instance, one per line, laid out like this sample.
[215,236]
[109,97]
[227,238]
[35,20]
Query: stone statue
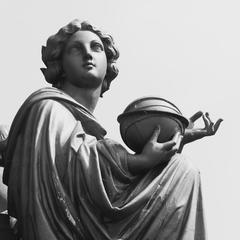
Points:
[66,181]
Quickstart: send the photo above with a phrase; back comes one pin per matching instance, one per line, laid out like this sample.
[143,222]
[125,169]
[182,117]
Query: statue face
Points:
[84,60]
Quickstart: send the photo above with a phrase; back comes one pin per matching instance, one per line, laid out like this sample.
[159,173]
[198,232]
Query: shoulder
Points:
[54,110]
[51,106]
[54,119]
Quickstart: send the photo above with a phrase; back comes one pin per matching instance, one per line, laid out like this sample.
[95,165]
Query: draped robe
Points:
[66,181]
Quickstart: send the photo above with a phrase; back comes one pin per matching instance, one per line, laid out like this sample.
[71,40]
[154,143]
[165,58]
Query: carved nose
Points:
[87,53]
[88,56]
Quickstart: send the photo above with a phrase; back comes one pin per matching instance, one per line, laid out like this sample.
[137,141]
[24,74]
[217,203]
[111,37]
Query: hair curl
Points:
[52,53]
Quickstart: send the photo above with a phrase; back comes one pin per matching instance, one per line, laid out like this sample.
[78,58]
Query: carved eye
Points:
[75,49]
[96,46]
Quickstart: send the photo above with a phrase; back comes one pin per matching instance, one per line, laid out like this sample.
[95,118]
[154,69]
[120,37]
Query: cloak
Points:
[66,181]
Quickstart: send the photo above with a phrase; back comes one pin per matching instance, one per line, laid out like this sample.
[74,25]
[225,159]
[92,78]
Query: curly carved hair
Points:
[52,53]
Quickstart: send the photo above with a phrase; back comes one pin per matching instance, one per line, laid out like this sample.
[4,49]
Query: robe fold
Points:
[66,181]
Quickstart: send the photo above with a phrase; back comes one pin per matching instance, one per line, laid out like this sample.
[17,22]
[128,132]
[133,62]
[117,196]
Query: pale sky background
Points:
[186,51]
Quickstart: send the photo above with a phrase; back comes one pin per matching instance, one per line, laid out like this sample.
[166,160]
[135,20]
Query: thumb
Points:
[155,134]
[217,124]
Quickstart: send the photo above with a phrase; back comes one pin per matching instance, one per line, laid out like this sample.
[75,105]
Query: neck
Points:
[86,97]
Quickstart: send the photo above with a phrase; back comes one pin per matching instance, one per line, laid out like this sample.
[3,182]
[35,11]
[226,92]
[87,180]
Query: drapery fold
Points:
[66,181]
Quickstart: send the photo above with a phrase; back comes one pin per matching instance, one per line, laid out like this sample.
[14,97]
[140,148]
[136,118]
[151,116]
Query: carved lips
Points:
[89,65]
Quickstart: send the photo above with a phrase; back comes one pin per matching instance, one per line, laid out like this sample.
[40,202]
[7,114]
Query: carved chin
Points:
[89,82]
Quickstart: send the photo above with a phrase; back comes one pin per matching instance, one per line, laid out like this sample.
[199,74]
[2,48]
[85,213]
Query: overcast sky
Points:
[186,51]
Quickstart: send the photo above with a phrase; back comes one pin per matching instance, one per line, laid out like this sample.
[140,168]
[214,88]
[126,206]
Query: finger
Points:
[168,145]
[196,116]
[178,142]
[217,124]
[176,136]
[155,134]
[172,143]
[177,139]
[209,120]
[171,153]
[206,121]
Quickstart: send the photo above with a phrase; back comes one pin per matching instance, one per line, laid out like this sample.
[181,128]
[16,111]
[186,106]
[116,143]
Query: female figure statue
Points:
[66,181]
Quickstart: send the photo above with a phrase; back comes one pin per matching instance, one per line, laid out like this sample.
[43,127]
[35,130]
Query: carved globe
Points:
[141,117]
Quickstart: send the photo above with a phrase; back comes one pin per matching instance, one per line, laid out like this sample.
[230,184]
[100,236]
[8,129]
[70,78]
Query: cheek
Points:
[104,64]
[70,65]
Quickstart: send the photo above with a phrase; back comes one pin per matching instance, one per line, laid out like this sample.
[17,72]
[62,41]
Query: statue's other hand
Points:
[210,128]
[4,130]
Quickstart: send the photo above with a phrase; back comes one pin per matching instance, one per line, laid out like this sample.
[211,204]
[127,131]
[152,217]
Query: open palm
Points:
[210,128]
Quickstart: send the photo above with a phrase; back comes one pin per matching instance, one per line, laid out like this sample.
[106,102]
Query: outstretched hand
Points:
[210,128]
